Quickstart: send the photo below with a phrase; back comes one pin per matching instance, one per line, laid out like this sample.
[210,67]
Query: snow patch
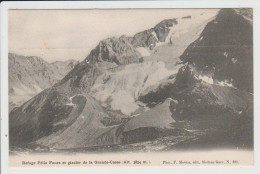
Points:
[234,60]
[209,80]
[135,115]
[206,79]
[70,103]
[37,88]
[154,34]
[189,130]
[226,54]
[167,39]
[225,83]
[22,90]
[143,51]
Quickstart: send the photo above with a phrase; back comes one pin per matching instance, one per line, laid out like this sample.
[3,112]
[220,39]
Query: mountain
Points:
[119,97]
[214,87]
[159,33]
[114,50]
[30,75]
[160,63]
[229,55]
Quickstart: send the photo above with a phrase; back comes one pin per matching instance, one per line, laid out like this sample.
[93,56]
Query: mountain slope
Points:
[212,90]
[228,56]
[161,63]
[114,50]
[30,75]
[82,127]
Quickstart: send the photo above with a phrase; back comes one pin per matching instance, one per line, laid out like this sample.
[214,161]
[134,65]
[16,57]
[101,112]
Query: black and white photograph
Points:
[84,82]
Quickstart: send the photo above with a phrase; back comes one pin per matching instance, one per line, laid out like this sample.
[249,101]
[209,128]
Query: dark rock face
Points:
[114,50]
[149,134]
[144,39]
[220,109]
[186,17]
[163,28]
[225,50]
[149,38]
[122,50]
[246,12]
[35,118]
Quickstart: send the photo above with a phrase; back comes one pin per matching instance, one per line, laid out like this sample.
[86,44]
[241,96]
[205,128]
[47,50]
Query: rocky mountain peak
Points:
[150,37]
[114,50]
[163,28]
[122,50]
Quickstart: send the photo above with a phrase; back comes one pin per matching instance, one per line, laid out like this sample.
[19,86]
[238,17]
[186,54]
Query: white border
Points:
[129,4]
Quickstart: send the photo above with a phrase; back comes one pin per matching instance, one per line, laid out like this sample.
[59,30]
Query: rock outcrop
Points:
[159,33]
[114,50]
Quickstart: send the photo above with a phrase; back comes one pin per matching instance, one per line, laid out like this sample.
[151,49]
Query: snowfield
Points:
[121,88]
[143,51]
[188,25]
[180,36]
[206,79]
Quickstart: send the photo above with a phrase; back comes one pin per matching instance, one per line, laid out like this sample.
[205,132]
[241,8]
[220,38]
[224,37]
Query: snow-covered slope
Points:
[160,117]
[180,37]
[121,87]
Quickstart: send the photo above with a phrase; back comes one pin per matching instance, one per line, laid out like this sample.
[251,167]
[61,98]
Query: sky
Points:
[57,35]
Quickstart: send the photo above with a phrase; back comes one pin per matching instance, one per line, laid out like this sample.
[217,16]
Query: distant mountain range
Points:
[30,75]
[188,80]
